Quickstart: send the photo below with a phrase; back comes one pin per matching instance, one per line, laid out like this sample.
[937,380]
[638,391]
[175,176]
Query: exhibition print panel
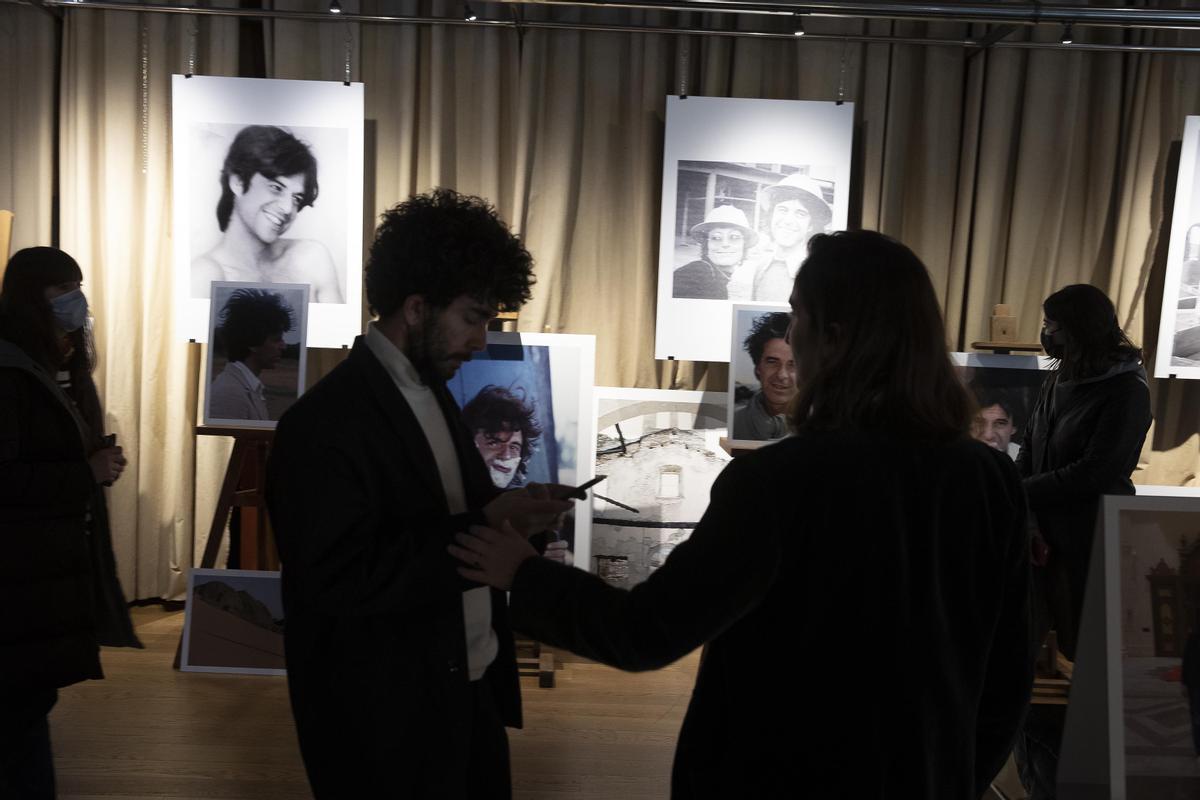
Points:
[746,184]
[1151,624]
[527,402]
[267,187]
[256,355]
[1005,389]
[233,622]
[1179,329]
[660,452]
[762,373]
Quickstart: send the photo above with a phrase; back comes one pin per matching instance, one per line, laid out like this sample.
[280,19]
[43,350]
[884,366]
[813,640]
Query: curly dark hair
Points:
[498,409]
[987,396]
[765,328]
[1093,339]
[249,316]
[270,152]
[443,245]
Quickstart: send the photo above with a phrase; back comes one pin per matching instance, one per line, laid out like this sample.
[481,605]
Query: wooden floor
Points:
[149,731]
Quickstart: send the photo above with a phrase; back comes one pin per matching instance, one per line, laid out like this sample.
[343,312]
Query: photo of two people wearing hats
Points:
[743,229]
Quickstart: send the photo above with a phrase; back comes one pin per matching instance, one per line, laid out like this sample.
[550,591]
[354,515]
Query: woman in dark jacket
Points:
[1082,442]
[58,583]
[862,585]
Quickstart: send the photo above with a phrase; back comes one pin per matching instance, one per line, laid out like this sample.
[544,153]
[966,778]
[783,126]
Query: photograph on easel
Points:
[256,353]
[1005,389]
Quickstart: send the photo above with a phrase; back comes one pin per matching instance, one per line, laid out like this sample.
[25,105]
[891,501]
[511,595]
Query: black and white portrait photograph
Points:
[762,373]
[1179,329]
[1005,389]
[268,189]
[256,358]
[527,402]
[746,184]
[743,229]
[660,452]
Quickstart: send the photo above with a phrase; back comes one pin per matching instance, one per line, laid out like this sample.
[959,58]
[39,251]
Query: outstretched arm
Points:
[706,585]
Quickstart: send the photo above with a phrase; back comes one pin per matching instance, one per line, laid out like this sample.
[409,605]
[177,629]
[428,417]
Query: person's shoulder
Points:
[329,404]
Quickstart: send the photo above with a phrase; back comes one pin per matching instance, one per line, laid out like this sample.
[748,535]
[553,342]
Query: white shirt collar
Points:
[251,379]
[393,359]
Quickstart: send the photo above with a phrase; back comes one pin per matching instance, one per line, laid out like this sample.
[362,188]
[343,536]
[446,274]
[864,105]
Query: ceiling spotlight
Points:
[1067,38]
[468,13]
[335,7]
[799,31]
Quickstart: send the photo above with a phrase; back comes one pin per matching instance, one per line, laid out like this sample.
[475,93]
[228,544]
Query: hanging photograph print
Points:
[527,402]
[267,178]
[1179,329]
[746,184]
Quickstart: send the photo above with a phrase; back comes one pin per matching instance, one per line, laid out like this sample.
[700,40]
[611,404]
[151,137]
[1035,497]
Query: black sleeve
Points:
[1008,682]
[706,585]
[63,484]
[1119,432]
[342,548]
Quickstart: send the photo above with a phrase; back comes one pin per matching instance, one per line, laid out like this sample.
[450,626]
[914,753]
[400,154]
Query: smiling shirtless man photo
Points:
[268,178]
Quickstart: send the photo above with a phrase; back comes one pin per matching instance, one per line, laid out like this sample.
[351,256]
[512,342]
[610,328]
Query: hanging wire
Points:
[348,43]
[685,57]
[841,98]
[144,48]
[193,32]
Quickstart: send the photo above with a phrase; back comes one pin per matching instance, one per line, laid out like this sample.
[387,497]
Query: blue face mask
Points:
[70,310]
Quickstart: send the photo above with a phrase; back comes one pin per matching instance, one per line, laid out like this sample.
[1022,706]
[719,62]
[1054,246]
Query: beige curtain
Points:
[27,62]
[1010,172]
[116,220]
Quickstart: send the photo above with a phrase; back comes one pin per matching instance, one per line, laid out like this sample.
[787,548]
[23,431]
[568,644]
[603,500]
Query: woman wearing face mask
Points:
[1082,441]
[58,583]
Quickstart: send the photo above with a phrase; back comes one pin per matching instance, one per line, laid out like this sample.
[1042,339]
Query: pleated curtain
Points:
[1011,172]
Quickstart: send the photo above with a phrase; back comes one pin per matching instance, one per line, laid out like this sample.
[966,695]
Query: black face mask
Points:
[1052,343]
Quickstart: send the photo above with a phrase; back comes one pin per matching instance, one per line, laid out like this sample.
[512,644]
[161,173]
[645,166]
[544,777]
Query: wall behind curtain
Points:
[1010,172]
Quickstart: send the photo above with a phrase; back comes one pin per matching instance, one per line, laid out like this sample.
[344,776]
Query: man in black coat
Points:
[402,676]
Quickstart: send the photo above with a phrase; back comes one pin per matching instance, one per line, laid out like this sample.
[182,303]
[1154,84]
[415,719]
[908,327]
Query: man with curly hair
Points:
[402,675]
[252,325]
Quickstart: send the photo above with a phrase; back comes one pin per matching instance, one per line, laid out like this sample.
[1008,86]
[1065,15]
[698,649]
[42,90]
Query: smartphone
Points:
[580,491]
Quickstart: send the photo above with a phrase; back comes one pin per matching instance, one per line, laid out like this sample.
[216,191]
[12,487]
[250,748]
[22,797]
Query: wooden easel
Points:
[243,488]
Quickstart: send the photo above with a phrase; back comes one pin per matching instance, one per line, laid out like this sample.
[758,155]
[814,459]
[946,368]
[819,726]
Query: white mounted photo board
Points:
[233,622]
[267,187]
[1179,328]
[746,183]
[527,401]
[660,452]
[255,364]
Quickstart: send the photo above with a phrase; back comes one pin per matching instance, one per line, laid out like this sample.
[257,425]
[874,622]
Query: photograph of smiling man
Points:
[267,188]
[269,177]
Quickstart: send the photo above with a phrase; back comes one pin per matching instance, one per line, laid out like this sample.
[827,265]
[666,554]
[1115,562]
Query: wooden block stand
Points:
[534,659]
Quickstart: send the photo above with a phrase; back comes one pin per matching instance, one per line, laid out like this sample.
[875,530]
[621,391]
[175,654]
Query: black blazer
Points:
[374,637]
[866,606]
